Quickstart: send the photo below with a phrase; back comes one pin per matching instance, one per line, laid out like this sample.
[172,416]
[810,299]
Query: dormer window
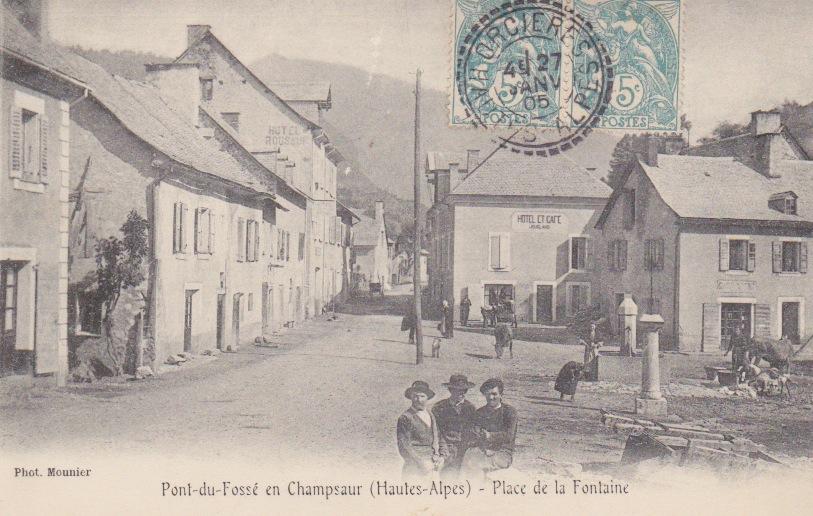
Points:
[206,89]
[785,202]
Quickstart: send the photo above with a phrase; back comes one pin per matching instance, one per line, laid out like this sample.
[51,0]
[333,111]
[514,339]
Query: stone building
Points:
[215,214]
[272,129]
[37,88]
[371,251]
[714,239]
[513,228]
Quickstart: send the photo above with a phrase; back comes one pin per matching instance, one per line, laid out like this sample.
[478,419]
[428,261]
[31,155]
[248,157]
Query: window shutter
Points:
[176,228]
[588,254]
[494,257]
[623,252]
[287,246]
[724,254]
[648,255]
[212,222]
[659,253]
[803,257]
[43,149]
[752,257]
[777,256]
[301,246]
[762,321]
[198,231]
[256,240]
[612,250]
[505,251]
[711,327]
[241,239]
[184,227]
[16,134]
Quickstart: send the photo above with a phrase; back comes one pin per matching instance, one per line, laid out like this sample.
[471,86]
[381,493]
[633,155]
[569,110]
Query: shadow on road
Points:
[556,402]
[350,357]
[396,342]
[367,304]
[484,357]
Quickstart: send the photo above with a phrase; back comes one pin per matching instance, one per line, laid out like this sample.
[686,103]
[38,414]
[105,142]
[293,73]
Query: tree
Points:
[727,130]
[686,124]
[631,145]
[119,266]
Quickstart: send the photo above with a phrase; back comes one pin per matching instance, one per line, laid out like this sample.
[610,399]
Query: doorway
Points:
[235,322]
[187,320]
[790,321]
[221,315]
[266,310]
[731,316]
[8,316]
[544,304]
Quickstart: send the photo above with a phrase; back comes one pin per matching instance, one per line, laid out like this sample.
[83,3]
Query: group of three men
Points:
[453,436]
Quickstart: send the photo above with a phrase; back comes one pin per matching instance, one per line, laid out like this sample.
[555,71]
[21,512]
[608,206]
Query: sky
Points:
[738,55]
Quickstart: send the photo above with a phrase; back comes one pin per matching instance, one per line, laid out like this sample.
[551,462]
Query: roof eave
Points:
[704,221]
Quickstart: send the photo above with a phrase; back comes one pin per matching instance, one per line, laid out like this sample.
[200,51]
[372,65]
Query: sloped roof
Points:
[206,33]
[366,231]
[302,91]
[512,174]
[14,38]
[440,160]
[724,188]
[142,110]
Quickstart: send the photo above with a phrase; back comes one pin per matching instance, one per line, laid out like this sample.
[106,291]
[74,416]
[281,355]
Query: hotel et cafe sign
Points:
[536,221]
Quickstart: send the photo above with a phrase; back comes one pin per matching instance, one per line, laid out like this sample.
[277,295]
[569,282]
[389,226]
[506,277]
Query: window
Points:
[8,296]
[233,119]
[250,301]
[179,233]
[578,253]
[790,256]
[737,254]
[784,202]
[206,89]
[498,295]
[499,251]
[617,255]
[301,253]
[203,231]
[653,254]
[652,305]
[29,144]
[629,208]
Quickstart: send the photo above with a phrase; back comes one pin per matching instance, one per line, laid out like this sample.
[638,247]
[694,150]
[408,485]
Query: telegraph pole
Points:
[416,260]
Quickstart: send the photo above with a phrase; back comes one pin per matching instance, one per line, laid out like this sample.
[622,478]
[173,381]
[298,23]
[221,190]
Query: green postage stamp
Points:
[571,65]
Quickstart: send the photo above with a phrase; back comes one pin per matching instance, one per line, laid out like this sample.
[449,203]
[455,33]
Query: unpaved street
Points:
[333,389]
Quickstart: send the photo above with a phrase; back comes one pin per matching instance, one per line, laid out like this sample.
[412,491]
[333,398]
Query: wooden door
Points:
[265,310]
[8,316]
[187,321]
[221,315]
[544,304]
[790,321]
[235,321]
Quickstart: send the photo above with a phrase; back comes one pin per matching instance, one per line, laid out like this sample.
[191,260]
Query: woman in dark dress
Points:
[568,379]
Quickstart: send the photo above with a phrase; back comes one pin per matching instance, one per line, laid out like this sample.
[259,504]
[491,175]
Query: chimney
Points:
[379,211]
[195,32]
[651,156]
[766,126]
[32,14]
[472,160]
[179,84]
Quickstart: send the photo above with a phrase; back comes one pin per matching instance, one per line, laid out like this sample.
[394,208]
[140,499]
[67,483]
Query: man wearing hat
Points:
[419,441]
[455,416]
[495,428]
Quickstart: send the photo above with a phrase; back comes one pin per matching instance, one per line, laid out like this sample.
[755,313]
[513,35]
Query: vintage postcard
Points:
[406,257]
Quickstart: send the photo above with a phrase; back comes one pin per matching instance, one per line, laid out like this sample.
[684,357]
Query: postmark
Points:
[543,74]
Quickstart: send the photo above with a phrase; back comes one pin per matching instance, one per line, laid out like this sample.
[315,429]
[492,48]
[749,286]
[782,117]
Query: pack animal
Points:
[769,382]
[776,352]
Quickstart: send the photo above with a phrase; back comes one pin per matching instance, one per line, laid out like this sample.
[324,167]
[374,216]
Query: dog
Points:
[436,347]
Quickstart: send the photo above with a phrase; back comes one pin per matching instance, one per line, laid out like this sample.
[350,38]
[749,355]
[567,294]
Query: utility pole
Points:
[416,260]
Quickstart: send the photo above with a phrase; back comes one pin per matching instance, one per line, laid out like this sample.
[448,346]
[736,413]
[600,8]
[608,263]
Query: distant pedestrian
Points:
[445,325]
[409,322]
[455,417]
[465,306]
[568,379]
[419,441]
[503,339]
[494,430]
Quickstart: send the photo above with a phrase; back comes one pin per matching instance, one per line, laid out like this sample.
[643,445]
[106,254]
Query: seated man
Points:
[494,430]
